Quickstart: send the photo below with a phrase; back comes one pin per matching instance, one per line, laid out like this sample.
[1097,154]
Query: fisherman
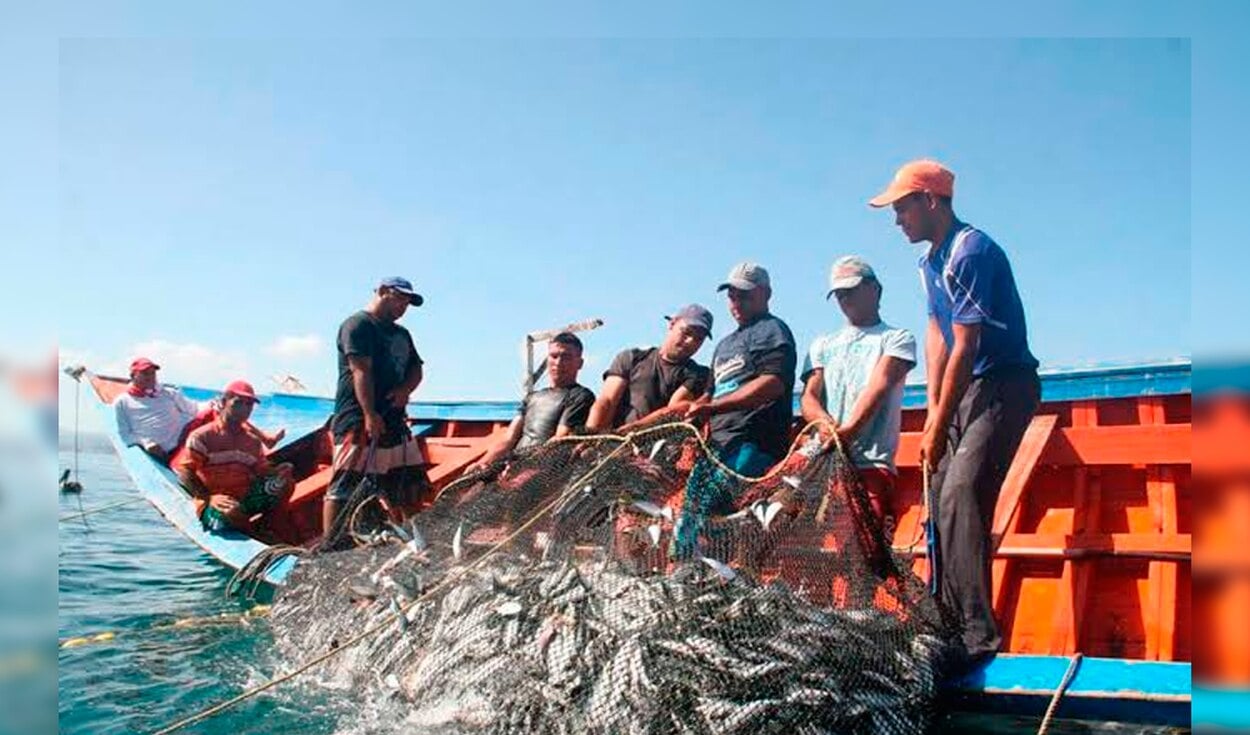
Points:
[226,470]
[554,412]
[751,406]
[642,382]
[983,387]
[378,368]
[853,378]
[150,415]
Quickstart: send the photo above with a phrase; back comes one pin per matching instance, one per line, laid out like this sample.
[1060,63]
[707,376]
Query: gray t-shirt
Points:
[543,411]
[763,347]
[848,359]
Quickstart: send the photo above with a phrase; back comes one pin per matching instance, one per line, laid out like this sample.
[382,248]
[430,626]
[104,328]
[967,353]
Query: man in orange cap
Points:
[982,386]
[225,467]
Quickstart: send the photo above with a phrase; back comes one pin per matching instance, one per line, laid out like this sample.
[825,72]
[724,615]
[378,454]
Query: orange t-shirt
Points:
[226,461]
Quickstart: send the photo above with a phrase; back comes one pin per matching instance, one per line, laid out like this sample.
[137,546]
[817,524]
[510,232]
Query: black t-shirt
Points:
[763,347]
[652,382]
[543,411]
[391,352]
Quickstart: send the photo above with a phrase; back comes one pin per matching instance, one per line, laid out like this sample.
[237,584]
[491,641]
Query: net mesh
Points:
[633,585]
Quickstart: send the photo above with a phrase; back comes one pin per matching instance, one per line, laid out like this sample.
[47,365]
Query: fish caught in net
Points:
[632,584]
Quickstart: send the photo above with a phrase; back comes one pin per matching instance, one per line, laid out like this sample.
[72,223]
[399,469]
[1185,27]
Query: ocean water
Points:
[178,646]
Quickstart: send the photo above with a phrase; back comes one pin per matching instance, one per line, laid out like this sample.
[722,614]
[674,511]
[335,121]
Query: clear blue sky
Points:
[212,197]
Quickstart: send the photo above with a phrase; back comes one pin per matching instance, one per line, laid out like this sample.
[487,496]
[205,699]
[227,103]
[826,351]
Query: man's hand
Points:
[155,450]
[224,504]
[275,437]
[398,397]
[374,426]
[698,412]
[933,444]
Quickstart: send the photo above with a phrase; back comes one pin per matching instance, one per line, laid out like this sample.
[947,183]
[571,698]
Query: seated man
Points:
[225,467]
[158,418]
[853,379]
[150,415]
[641,382]
[551,412]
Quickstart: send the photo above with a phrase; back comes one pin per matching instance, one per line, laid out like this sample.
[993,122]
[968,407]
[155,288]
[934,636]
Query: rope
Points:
[1063,687]
[628,439]
[101,509]
[624,441]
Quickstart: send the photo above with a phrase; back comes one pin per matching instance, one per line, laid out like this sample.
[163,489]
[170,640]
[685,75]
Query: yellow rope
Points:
[461,572]
[101,509]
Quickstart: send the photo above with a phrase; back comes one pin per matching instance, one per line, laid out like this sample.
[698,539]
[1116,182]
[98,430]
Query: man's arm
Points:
[888,373]
[189,479]
[604,409]
[955,380]
[124,430]
[362,384]
[812,403]
[756,392]
[502,449]
[401,393]
[936,356]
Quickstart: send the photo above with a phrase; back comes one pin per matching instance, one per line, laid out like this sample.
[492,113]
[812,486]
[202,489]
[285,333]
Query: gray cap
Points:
[848,272]
[694,315]
[745,277]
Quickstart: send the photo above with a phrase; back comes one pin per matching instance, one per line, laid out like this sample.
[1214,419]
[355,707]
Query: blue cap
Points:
[404,286]
[694,315]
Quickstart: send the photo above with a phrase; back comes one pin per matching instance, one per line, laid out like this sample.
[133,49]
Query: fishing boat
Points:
[1091,574]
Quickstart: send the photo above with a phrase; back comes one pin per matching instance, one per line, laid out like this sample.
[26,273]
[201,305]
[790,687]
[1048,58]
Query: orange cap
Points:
[922,175]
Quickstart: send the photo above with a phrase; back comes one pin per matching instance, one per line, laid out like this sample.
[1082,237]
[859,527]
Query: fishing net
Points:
[632,584]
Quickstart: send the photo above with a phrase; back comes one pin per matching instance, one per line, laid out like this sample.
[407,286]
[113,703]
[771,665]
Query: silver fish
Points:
[456,541]
[723,570]
[655,449]
[653,531]
[646,507]
[765,512]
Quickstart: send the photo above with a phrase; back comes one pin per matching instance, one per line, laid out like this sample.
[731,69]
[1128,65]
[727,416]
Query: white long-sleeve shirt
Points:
[157,418]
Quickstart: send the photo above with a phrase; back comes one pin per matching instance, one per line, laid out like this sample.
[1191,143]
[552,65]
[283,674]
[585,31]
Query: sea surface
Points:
[168,644]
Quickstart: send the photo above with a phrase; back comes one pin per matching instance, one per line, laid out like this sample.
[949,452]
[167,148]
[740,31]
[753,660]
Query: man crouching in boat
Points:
[853,379]
[641,382]
[225,468]
[552,412]
[379,368]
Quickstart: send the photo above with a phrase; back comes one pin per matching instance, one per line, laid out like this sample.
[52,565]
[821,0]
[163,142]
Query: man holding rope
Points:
[853,379]
[379,368]
[751,406]
[983,387]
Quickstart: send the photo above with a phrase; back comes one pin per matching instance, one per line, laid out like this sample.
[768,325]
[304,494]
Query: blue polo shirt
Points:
[968,280]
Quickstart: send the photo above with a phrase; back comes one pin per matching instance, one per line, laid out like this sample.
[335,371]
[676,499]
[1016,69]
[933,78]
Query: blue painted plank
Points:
[301,414]
[1107,689]
[1226,708]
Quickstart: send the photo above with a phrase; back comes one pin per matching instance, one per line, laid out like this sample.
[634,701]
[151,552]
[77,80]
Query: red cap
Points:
[241,388]
[139,364]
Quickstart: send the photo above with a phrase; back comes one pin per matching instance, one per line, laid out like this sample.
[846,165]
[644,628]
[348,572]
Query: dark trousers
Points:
[984,435]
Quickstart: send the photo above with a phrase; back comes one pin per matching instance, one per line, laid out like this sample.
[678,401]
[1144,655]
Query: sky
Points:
[221,198]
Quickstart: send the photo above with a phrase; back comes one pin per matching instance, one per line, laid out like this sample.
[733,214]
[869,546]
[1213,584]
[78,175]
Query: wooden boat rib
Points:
[1093,529]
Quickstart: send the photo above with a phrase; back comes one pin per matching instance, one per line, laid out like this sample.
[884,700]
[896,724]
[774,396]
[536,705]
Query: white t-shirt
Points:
[848,359]
[157,418]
